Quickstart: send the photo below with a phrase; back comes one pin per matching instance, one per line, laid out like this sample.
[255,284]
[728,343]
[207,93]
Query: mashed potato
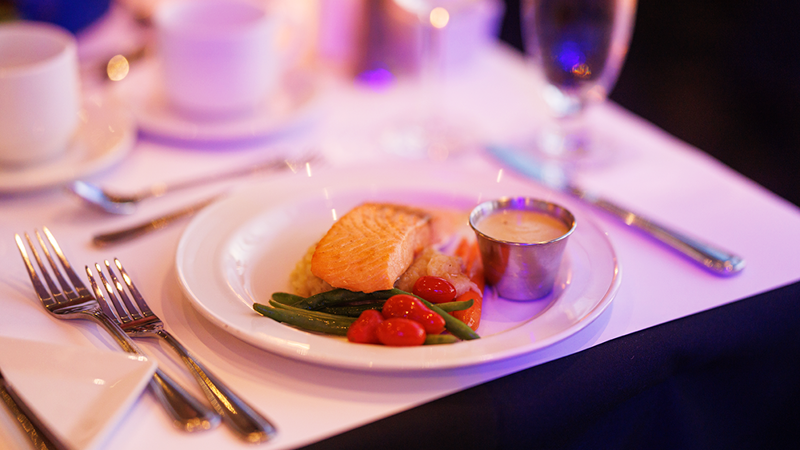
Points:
[305,283]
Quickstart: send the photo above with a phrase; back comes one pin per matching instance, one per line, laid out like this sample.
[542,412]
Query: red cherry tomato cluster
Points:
[363,330]
[409,307]
[403,321]
[434,289]
[400,332]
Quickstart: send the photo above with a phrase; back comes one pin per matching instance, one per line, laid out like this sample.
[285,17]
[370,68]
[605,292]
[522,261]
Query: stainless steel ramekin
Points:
[521,270]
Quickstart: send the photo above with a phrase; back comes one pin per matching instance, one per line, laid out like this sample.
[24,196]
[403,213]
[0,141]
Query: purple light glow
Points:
[376,79]
[570,56]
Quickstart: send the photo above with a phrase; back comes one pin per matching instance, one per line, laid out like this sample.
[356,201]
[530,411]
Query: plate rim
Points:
[597,308]
[189,134]
[108,111]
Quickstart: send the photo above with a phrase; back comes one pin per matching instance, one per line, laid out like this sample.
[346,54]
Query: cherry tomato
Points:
[400,332]
[409,307]
[434,289]
[364,329]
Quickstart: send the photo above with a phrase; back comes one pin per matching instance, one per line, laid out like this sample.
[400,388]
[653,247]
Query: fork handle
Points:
[187,413]
[249,424]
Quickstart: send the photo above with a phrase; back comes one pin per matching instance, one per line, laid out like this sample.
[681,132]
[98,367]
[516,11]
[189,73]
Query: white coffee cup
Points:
[39,92]
[218,57]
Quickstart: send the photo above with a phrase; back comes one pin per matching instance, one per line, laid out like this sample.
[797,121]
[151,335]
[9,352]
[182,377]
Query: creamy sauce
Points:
[522,226]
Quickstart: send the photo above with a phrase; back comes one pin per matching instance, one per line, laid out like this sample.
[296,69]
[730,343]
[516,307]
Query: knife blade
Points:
[712,258]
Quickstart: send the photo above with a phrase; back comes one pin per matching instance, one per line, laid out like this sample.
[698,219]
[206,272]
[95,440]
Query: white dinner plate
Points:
[294,105]
[81,394]
[242,249]
[105,134]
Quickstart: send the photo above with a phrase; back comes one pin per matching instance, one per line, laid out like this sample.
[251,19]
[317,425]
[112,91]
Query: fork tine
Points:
[66,288]
[65,292]
[134,313]
[247,422]
[98,294]
[44,296]
[111,300]
[135,292]
[76,280]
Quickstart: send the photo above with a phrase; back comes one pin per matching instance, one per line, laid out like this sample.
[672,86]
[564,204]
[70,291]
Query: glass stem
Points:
[431,72]
[567,138]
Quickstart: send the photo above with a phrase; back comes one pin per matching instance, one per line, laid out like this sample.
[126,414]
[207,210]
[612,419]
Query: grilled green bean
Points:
[451,324]
[318,314]
[437,339]
[286,298]
[311,322]
[342,296]
[353,310]
[455,306]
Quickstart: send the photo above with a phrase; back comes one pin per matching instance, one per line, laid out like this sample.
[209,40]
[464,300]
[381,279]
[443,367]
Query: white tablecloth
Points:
[655,174]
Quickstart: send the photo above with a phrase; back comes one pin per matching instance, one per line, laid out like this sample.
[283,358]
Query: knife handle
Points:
[716,260]
[104,239]
[713,258]
[37,432]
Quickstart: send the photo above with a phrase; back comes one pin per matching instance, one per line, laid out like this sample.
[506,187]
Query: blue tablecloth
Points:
[724,378]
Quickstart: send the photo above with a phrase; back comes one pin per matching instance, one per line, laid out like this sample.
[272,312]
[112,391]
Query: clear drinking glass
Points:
[578,47]
[428,133]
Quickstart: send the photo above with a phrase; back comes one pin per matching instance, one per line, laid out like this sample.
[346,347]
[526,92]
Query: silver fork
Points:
[141,321]
[76,302]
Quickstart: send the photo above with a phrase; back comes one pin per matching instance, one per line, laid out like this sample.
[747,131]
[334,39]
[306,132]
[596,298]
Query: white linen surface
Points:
[654,174]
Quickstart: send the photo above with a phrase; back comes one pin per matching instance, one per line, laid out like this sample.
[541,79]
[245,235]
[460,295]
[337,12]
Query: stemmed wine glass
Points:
[579,47]
[428,133]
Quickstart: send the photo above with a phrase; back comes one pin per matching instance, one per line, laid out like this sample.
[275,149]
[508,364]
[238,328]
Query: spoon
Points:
[118,203]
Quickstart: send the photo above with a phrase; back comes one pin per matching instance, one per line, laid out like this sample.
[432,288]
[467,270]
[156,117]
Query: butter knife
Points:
[36,431]
[711,257]
[126,234]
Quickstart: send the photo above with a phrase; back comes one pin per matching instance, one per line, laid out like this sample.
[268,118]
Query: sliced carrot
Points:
[463,249]
[472,315]
[475,267]
[477,277]
[470,254]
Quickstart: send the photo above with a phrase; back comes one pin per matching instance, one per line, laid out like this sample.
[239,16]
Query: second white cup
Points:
[218,57]
[39,92]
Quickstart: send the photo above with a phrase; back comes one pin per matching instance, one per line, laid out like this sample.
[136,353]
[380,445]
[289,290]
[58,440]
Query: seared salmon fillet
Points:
[368,248]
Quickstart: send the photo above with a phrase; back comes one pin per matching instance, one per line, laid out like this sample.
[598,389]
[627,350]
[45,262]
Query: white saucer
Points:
[79,393]
[294,105]
[105,135]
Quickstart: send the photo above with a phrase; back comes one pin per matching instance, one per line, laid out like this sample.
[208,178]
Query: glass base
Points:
[433,139]
[572,147]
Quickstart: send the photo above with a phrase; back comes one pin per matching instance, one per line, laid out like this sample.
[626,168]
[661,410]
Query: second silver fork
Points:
[71,300]
[139,320]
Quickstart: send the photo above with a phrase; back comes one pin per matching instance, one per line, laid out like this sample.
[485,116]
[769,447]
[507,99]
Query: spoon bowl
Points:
[97,197]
